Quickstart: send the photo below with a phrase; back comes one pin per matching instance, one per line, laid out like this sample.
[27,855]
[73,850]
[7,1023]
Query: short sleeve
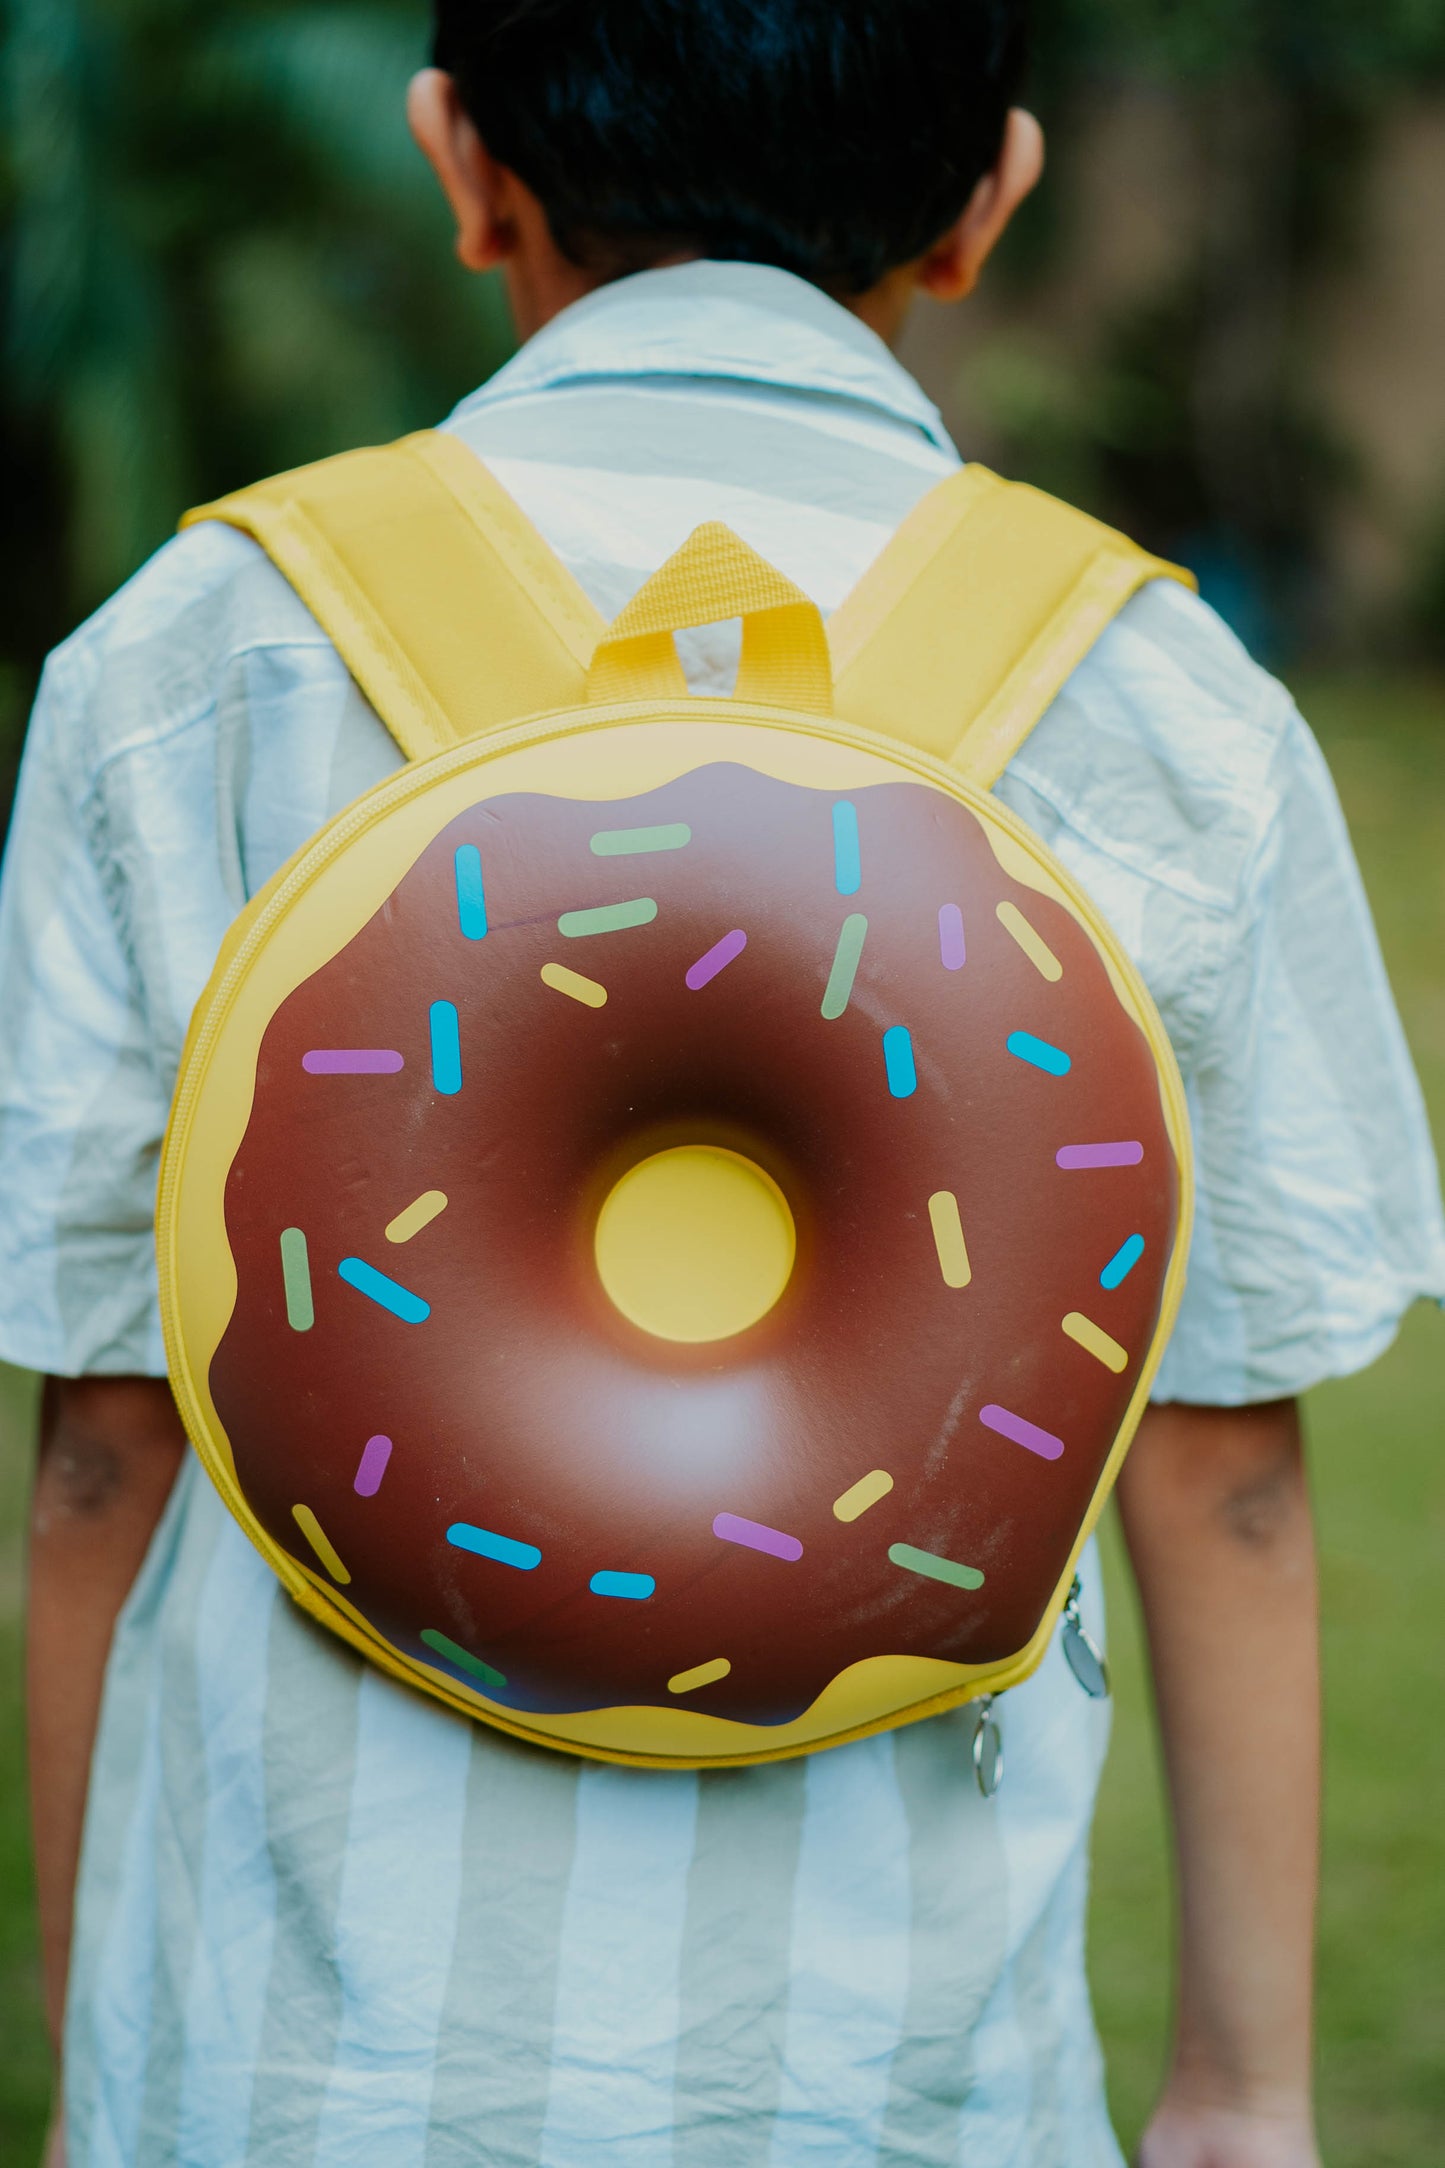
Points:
[1318,1216]
[82,1110]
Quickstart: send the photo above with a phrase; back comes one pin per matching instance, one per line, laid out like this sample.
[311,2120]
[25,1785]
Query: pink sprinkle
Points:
[1099,1155]
[374,1458]
[756,1536]
[351,1061]
[1042,1442]
[950,937]
[717,958]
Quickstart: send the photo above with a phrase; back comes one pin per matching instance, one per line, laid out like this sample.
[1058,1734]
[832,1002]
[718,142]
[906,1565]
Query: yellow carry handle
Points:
[785,659]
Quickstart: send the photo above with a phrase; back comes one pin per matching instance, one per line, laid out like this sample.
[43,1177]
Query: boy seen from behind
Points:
[291,1912]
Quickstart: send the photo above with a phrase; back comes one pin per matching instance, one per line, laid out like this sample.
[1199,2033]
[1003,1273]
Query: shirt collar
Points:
[742,321]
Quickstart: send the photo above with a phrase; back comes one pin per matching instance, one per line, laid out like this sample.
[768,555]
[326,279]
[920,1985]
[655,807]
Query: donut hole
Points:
[695,1243]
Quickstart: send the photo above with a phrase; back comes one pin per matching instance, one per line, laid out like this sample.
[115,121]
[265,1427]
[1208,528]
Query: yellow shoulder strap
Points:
[409,556]
[954,641]
[960,634]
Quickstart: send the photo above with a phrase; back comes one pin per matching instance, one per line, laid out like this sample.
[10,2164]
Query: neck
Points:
[541,283]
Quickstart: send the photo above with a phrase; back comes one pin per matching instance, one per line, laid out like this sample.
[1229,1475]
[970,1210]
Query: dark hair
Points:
[835,138]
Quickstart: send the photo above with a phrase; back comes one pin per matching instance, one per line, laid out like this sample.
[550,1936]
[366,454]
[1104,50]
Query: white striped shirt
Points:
[321,1920]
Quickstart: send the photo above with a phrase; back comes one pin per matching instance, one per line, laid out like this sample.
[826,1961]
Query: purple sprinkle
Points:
[351,1061]
[718,957]
[1042,1442]
[950,937]
[1099,1155]
[756,1536]
[374,1458]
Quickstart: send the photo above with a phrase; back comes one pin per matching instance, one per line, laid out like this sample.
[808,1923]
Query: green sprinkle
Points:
[609,917]
[624,842]
[845,964]
[296,1274]
[462,1658]
[934,1568]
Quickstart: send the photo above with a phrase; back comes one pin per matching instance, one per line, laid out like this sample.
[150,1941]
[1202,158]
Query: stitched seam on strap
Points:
[952,506]
[506,530]
[375,657]
[991,739]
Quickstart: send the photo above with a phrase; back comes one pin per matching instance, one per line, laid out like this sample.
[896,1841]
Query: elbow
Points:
[1235,1477]
[106,1447]
[1260,1502]
[78,1477]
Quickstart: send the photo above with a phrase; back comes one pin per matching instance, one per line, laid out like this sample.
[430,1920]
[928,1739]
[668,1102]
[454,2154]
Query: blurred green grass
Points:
[1380,1479]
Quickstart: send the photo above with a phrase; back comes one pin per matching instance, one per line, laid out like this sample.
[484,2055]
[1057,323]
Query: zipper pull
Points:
[1080,1654]
[987,1748]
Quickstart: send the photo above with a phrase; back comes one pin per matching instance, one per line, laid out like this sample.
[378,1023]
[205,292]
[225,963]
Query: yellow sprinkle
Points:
[861,1495]
[1034,946]
[416,1216]
[320,1543]
[572,983]
[948,1239]
[684,1682]
[1095,1341]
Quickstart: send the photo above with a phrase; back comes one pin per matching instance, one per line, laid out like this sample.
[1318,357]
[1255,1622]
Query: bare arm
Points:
[1216,1513]
[109,1451]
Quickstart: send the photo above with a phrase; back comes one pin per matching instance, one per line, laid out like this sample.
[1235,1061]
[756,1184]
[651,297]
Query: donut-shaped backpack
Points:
[673,1205]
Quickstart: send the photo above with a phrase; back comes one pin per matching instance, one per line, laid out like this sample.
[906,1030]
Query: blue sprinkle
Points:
[471,896]
[635,1585]
[446,1048]
[1123,1261]
[1038,1053]
[847,861]
[390,1294]
[898,1060]
[504,1549]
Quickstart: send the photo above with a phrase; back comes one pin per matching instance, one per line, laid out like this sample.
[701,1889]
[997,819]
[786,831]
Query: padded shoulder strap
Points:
[409,556]
[960,634]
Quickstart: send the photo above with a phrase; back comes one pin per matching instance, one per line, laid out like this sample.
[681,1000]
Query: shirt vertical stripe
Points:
[308,1753]
[110,1957]
[394,1928]
[1053,2015]
[495,2038]
[1055,1738]
[225,2002]
[107,2111]
[733,2001]
[994,2117]
[1036,2011]
[957,1938]
[179,1830]
[614,2038]
[849,1959]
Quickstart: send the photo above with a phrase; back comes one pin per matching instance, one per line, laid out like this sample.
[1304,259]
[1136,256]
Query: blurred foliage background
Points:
[1221,324]
[221,256]
[1221,321]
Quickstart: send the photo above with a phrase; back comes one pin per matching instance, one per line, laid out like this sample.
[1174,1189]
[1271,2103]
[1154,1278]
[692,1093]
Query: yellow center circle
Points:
[695,1243]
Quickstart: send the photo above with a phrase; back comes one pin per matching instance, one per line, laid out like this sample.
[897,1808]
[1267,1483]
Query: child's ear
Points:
[952,266]
[477,188]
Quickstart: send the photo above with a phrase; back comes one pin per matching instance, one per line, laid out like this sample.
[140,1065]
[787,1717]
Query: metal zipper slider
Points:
[1082,1657]
[987,1748]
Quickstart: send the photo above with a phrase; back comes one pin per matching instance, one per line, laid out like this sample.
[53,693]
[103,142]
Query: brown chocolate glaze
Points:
[527,1405]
